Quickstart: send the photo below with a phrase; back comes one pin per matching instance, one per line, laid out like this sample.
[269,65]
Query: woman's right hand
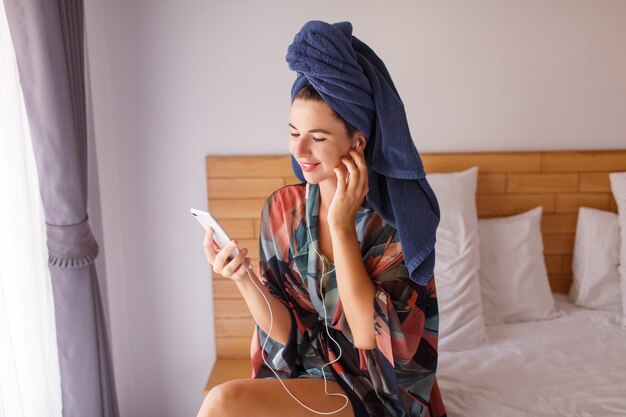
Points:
[235,268]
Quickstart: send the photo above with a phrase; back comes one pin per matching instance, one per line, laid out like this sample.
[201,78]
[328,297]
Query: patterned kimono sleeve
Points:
[280,357]
[406,325]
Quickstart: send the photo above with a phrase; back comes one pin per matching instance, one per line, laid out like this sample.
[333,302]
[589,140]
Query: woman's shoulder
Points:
[286,196]
[282,209]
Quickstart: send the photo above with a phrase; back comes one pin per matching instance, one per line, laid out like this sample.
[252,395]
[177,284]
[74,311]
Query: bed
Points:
[573,364]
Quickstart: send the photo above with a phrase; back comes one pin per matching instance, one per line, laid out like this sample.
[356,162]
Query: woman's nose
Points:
[301,147]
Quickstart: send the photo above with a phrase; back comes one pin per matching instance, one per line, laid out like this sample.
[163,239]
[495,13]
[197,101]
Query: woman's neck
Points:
[327,192]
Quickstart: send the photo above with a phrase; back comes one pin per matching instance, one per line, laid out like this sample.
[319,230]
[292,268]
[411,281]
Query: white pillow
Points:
[618,186]
[513,277]
[595,261]
[457,259]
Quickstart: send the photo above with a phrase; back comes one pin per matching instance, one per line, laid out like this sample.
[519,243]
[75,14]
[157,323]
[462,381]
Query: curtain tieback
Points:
[71,246]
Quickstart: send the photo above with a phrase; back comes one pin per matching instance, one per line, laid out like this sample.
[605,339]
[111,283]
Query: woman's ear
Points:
[360,141]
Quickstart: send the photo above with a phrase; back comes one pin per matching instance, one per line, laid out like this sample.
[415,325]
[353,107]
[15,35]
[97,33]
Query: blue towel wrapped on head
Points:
[355,83]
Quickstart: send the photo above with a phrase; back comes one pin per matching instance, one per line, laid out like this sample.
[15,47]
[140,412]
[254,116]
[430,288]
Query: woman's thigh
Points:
[267,397]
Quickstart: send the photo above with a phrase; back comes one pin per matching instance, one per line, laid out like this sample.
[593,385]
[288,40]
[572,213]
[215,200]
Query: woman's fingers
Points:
[210,245]
[235,265]
[353,179]
[341,180]
[233,268]
[357,184]
[222,257]
[359,161]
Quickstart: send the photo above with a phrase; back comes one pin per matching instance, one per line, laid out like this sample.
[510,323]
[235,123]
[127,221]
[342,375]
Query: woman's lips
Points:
[308,167]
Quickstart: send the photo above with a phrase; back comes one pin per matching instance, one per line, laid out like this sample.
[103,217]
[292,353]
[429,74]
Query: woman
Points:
[353,311]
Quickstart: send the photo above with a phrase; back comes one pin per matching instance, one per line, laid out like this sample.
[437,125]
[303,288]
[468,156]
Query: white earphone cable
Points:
[327,332]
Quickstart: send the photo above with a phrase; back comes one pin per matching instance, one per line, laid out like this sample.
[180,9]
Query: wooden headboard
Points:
[508,183]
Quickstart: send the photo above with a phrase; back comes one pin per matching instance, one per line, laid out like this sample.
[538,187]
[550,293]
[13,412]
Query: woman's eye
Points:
[297,135]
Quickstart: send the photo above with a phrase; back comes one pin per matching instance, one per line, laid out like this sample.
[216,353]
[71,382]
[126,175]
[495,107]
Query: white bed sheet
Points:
[574,365]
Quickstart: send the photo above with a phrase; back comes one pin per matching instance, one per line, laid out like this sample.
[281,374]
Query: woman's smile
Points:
[308,167]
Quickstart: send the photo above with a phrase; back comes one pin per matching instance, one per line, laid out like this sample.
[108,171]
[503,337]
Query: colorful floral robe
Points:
[397,378]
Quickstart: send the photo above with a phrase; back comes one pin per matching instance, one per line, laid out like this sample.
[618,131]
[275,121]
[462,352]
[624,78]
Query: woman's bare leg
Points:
[268,398]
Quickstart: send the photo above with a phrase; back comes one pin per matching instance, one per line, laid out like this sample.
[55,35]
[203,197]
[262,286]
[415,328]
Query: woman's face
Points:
[318,140]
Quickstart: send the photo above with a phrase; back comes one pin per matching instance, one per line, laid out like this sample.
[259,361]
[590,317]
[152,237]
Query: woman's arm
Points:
[355,286]
[281,325]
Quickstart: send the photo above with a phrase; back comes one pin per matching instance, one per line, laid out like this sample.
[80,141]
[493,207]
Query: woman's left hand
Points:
[352,187]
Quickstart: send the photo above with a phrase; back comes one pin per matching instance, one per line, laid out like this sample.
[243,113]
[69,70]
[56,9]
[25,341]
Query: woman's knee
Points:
[220,398]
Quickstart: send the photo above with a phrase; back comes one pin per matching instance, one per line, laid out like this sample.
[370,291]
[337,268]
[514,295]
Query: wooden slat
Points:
[595,182]
[584,161]
[228,369]
[486,162]
[569,203]
[239,228]
[233,347]
[567,263]
[506,204]
[243,187]
[491,184]
[224,288]
[231,308]
[560,282]
[248,166]
[248,208]
[233,327]
[542,183]
[558,244]
[554,263]
[558,223]
[292,179]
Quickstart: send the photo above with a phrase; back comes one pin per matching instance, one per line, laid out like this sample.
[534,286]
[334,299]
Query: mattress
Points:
[573,365]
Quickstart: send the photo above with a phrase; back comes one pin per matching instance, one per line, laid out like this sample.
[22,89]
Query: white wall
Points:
[174,81]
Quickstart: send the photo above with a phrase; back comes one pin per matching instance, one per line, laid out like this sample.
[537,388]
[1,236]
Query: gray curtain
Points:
[48,40]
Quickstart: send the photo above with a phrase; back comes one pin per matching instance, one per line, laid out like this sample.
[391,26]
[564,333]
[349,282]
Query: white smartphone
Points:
[220,235]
